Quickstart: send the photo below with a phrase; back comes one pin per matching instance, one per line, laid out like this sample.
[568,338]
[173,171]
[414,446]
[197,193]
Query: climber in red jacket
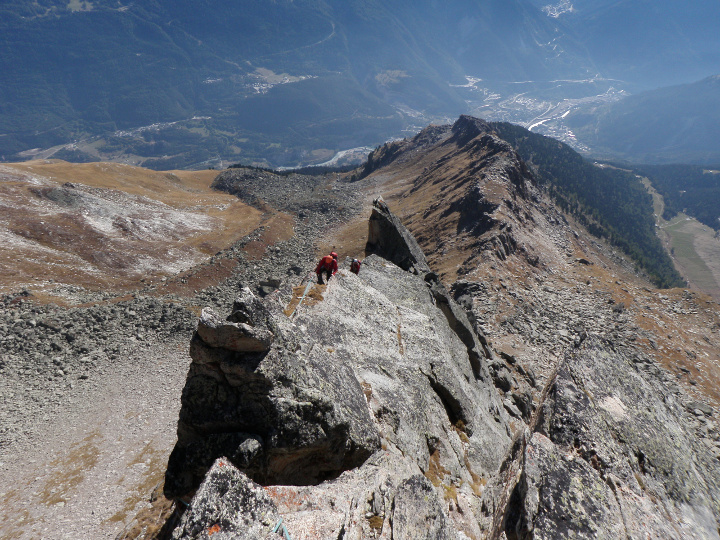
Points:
[327,265]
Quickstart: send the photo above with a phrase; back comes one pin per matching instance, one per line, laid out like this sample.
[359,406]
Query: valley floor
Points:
[693,247]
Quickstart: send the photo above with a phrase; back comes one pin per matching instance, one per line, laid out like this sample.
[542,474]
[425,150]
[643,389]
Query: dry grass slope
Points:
[108,225]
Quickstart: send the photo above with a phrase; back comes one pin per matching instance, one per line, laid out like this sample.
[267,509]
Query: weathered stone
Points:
[240,337]
[704,408]
[228,505]
[388,238]
[562,496]
[410,376]
[602,418]
[249,309]
[307,415]
[418,513]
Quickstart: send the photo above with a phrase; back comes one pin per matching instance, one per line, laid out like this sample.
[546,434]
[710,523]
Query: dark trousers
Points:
[327,273]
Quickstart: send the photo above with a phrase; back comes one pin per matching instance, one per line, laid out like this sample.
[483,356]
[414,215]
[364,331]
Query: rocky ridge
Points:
[551,306]
[606,446]
[397,407]
[550,298]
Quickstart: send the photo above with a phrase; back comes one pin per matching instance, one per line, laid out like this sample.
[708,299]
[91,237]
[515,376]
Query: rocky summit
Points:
[372,407]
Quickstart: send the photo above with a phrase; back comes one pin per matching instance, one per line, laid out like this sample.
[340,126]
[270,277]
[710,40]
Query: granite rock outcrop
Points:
[513,386]
[377,388]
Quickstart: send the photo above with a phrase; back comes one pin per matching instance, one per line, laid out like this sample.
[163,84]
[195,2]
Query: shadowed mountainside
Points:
[676,124]
[285,82]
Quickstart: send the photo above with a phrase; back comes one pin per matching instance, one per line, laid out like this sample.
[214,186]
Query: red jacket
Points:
[327,263]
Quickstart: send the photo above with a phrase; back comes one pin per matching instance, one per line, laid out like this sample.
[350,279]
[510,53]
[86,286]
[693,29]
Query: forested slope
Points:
[687,188]
[612,203]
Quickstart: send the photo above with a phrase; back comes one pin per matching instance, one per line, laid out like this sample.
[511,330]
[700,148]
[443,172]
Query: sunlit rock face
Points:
[376,387]
[376,409]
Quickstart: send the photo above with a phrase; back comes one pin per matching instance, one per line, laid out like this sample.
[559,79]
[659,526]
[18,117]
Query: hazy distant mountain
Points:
[361,69]
[678,124]
[649,43]
[175,83]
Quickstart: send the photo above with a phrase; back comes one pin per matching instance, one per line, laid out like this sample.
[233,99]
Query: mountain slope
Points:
[606,444]
[110,225]
[676,124]
[613,204]
[481,217]
[608,386]
[109,69]
[646,43]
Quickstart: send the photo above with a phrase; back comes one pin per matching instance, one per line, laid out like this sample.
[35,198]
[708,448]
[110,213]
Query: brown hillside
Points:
[108,225]
[545,282]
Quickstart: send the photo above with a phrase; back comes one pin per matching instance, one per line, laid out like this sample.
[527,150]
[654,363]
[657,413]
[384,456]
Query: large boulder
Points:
[233,336]
[614,454]
[278,407]
[371,412]
[388,238]
[228,505]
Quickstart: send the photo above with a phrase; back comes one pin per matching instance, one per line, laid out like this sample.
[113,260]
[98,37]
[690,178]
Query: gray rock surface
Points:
[233,336]
[288,414]
[228,505]
[466,442]
[614,455]
[384,369]
[389,238]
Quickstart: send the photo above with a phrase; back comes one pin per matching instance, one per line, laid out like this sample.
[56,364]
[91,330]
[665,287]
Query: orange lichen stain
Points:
[313,296]
[287,498]
[214,529]
[297,293]
[376,522]
[367,390]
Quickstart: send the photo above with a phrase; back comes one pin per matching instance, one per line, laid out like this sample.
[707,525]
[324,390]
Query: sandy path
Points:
[87,471]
